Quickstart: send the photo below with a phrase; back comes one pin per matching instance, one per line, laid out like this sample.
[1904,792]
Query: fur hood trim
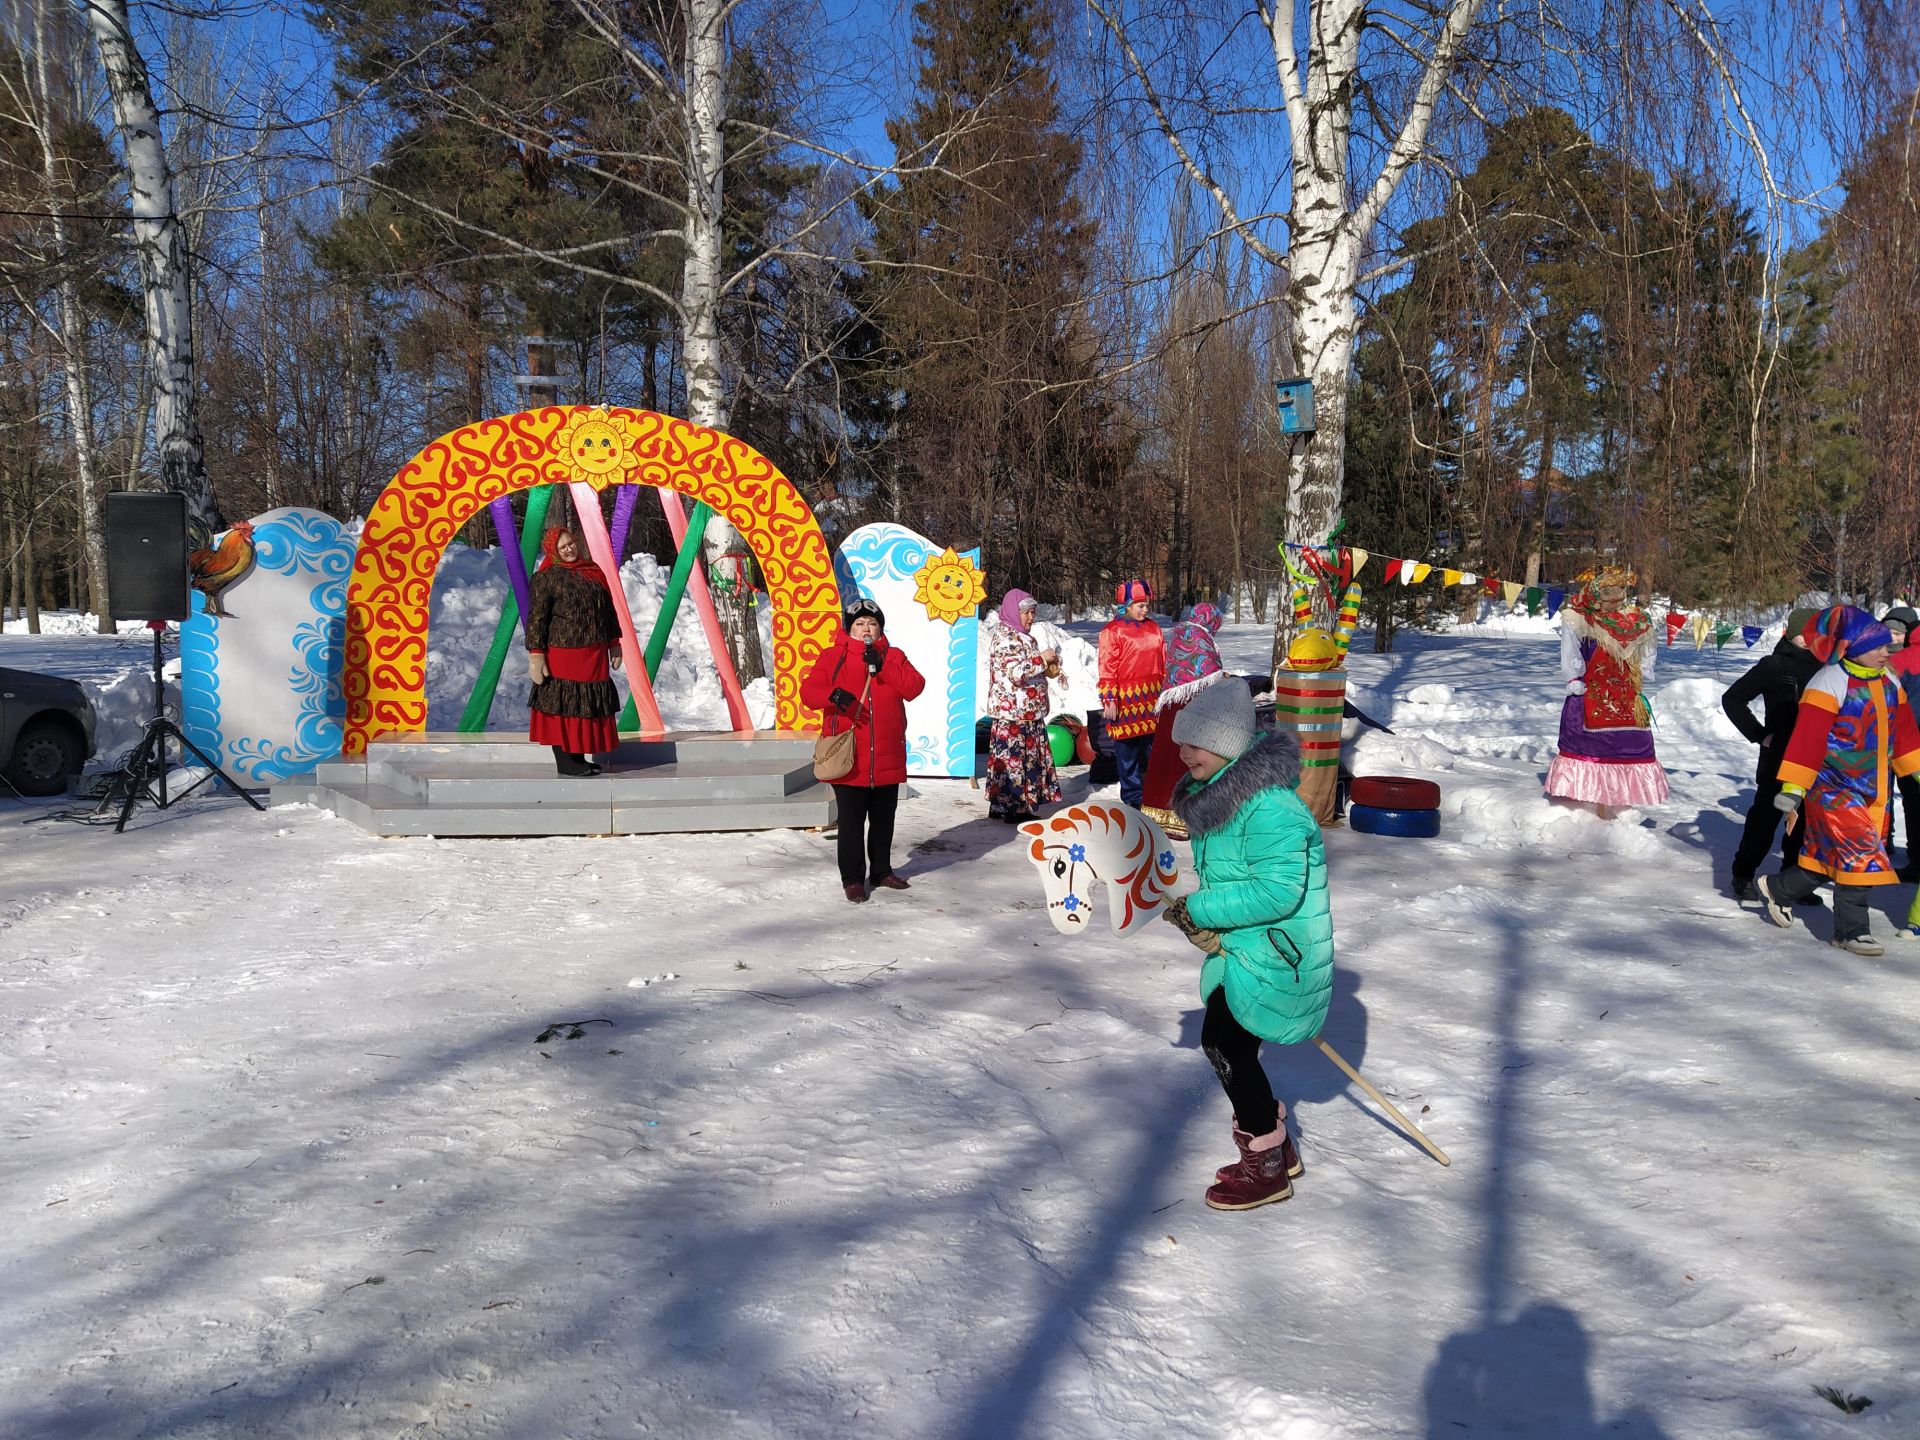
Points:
[1272,760]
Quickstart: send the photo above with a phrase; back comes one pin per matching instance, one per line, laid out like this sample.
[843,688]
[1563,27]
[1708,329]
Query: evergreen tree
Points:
[983,360]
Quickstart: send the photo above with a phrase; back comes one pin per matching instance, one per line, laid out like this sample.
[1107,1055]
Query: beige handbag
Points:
[833,754]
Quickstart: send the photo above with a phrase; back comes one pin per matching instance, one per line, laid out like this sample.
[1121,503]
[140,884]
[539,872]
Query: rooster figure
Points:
[211,571]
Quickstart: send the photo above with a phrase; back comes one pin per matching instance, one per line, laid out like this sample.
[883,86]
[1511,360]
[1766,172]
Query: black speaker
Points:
[147,555]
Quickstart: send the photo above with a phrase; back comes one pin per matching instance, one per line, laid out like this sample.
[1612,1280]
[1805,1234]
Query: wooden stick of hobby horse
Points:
[1382,1101]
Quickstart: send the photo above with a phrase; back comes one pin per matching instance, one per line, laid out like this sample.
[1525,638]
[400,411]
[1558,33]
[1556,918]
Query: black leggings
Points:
[866,813]
[1235,1054]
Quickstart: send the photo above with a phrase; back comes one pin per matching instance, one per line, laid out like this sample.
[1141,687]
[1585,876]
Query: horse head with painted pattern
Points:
[1112,843]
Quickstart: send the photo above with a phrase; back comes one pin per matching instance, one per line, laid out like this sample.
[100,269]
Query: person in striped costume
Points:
[1133,666]
[1854,733]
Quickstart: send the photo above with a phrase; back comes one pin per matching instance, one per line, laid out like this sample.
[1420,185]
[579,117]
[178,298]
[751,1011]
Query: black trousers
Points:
[1763,822]
[1234,1052]
[866,814]
[1909,814]
[1850,912]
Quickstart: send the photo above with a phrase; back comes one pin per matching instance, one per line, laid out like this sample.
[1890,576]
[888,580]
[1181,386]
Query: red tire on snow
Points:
[1394,792]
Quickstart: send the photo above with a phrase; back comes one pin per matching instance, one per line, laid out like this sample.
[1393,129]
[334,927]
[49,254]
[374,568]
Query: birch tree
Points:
[1333,210]
[161,244]
[38,99]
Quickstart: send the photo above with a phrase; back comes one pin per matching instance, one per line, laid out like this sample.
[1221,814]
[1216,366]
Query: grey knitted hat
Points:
[1219,718]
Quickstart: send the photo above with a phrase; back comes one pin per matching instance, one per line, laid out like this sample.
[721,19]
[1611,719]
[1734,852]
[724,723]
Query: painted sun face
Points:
[597,447]
[950,586]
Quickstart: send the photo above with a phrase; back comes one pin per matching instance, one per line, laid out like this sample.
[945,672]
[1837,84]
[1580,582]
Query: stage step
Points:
[490,785]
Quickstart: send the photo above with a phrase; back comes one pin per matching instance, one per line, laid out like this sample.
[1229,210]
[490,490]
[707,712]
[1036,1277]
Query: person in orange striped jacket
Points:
[1854,727]
[1133,668]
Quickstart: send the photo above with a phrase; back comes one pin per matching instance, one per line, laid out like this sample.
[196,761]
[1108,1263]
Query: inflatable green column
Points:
[487,682]
[670,604]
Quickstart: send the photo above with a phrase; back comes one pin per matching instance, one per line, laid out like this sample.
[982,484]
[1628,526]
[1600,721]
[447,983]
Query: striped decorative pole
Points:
[1310,704]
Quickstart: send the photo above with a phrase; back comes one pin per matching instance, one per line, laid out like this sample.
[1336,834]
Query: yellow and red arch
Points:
[436,492]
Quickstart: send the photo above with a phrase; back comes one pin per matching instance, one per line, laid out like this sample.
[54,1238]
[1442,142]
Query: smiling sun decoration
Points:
[950,586]
[597,448]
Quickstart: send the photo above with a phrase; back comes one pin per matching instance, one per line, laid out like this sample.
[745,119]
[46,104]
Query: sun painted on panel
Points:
[950,586]
[597,448]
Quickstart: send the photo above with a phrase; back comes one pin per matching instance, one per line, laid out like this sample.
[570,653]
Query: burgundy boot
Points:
[856,893]
[1260,1179]
[1242,1139]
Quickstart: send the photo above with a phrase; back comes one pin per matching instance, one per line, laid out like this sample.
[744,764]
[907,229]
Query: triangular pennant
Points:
[1722,633]
[1676,622]
[1449,577]
[1393,570]
[1701,626]
[1421,571]
[1556,597]
[1536,597]
[1467,577]
[1407,567]
[1511,591]
[1751,634]
[1360,558]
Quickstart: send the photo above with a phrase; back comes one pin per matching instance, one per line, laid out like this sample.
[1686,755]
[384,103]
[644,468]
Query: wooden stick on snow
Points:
[1382,1101]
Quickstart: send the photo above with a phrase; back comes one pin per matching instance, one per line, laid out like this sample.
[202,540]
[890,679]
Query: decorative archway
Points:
[424,506]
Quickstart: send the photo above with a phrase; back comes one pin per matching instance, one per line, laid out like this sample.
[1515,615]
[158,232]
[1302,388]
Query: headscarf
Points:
[1010,610]
[1207,617]
[582,563]
[1843,631]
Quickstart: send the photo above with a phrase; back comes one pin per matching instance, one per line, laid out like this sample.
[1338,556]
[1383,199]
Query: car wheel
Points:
[44,755]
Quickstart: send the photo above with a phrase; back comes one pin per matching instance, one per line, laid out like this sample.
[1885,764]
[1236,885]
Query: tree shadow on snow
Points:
[1524,1376]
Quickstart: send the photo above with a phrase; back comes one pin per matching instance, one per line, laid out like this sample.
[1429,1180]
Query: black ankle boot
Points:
[568,763]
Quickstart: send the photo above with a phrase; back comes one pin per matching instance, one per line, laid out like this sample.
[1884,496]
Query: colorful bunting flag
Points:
[1701,627]
[1360,558]
[1468,578]
[1536,597]
[1676,622]
[1556,597]
[1751,634]
[1511,591]
[1722,633]
[1393,570]
[1421,571]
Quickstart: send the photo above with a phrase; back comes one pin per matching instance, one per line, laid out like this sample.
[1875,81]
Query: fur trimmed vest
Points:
[1263,888]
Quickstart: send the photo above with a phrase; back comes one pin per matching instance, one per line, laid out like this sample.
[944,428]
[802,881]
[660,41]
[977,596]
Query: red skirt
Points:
[1164,770]
[583,666]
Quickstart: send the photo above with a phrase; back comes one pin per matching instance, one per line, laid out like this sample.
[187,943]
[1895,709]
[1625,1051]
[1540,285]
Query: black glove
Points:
[841,699]
[874,657]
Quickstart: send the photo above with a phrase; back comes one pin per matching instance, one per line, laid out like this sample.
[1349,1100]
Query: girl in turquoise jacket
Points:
[1263,917]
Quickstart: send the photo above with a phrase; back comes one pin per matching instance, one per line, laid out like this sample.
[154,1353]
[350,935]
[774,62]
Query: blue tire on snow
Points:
[1411,824]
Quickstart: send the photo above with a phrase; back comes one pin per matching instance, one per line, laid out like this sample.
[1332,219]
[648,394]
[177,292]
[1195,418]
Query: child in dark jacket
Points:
[1776,682]
[1262,916]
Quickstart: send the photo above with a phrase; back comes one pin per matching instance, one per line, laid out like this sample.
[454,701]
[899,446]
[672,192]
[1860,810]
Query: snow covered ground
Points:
[924,1169]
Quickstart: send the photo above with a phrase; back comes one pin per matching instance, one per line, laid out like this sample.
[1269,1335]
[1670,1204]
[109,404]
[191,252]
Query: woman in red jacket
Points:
[870,794]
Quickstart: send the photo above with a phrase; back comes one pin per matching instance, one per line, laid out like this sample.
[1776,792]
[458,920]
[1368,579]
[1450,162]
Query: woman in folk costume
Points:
[1854,732]
[573,641]
[1193,663]
[1606,655]
[1133,662]
[1020,775]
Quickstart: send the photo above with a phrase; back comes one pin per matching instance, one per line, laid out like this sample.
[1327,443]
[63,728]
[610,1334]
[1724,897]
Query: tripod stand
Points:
[145,773]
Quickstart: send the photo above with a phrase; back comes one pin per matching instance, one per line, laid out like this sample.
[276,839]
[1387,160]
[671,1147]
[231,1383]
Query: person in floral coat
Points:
[1020,775]
[1133,665]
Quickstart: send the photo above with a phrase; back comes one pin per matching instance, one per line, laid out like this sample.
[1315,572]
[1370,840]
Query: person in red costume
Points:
[573,640]
[862,681]
[1133,668]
